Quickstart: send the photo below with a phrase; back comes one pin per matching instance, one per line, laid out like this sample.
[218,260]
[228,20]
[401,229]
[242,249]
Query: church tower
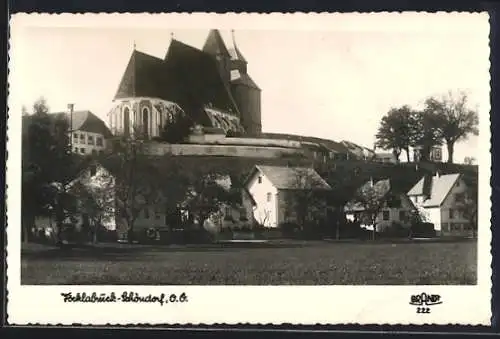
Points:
[214,45]
[245,92]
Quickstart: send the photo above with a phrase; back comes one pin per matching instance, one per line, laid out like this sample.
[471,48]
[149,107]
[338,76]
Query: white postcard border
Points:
[467,305]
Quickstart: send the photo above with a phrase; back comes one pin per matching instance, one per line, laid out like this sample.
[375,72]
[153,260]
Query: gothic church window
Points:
[126,121]
[145,120]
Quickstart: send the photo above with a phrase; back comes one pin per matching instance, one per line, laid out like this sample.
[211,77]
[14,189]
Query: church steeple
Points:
[236,55]
[215,46]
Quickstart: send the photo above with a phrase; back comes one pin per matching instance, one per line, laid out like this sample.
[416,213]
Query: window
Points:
[145,121]
[269,197]
[459,197]
[94,152]
[98,141]
[101,152]
[260,180]
[93,170]
[76,149]
[82,150]
[157,213]
[146,213]
[82,138]
[402,215]
[90,140]
[445,227]
[385,215]
[452,214]
[75,138]
[126,121]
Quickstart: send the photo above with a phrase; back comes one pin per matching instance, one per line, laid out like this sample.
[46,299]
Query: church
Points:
[211,87]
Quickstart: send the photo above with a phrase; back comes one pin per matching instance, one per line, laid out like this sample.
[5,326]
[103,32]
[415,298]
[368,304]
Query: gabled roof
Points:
[439,188]
[383,189]
[86,121]
[293,178]
[142,77]
[195,78]
[215,44]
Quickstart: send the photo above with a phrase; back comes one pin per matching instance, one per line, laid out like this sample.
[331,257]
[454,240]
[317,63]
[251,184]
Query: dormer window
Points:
[259,180]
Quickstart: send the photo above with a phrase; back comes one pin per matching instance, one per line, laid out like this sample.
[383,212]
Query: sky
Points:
[329,76]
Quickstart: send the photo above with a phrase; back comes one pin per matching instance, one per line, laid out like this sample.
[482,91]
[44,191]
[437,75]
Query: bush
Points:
[289,228]
[396,230]
[423,230]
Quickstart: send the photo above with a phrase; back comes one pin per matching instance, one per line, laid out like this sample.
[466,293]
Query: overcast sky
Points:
[330,76]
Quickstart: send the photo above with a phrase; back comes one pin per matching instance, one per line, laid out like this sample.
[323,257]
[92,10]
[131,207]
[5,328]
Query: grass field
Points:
[298,263]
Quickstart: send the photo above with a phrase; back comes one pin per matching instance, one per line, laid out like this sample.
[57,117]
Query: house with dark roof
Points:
[439,198]
[275,190]
[88,132]
[209,86]
[393,204]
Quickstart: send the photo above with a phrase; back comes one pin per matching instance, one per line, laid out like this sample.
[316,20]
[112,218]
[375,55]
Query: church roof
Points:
[187,76]
[215,44]
[196,77]
[142,77]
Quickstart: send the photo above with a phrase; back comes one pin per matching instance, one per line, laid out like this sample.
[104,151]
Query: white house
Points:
[273,188]
[439,198]
[395,206]
[88,133]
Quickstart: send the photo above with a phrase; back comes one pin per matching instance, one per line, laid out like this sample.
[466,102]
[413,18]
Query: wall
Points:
[457,225]
[221,140]
[159,112]
[406,205]
[82,146]
[265,212]
[160,149]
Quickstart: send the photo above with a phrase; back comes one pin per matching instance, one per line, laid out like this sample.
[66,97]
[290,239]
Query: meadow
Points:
[280,263]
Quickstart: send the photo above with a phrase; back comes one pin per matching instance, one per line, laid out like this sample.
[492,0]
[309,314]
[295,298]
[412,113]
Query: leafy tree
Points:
[395,131]
[46,159]
[426,132]
[456,120]
[177,130]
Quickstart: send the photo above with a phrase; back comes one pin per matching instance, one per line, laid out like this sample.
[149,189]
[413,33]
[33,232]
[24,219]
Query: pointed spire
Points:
[214,44]
[237,55]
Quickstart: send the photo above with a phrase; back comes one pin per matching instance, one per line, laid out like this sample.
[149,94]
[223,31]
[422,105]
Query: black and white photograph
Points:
[337,150]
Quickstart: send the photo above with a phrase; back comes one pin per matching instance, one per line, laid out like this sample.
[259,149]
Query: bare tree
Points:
[456,120]
[306,199]
[135,182]
[369,199]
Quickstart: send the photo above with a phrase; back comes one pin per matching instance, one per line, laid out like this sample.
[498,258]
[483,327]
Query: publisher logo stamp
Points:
[424,302]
